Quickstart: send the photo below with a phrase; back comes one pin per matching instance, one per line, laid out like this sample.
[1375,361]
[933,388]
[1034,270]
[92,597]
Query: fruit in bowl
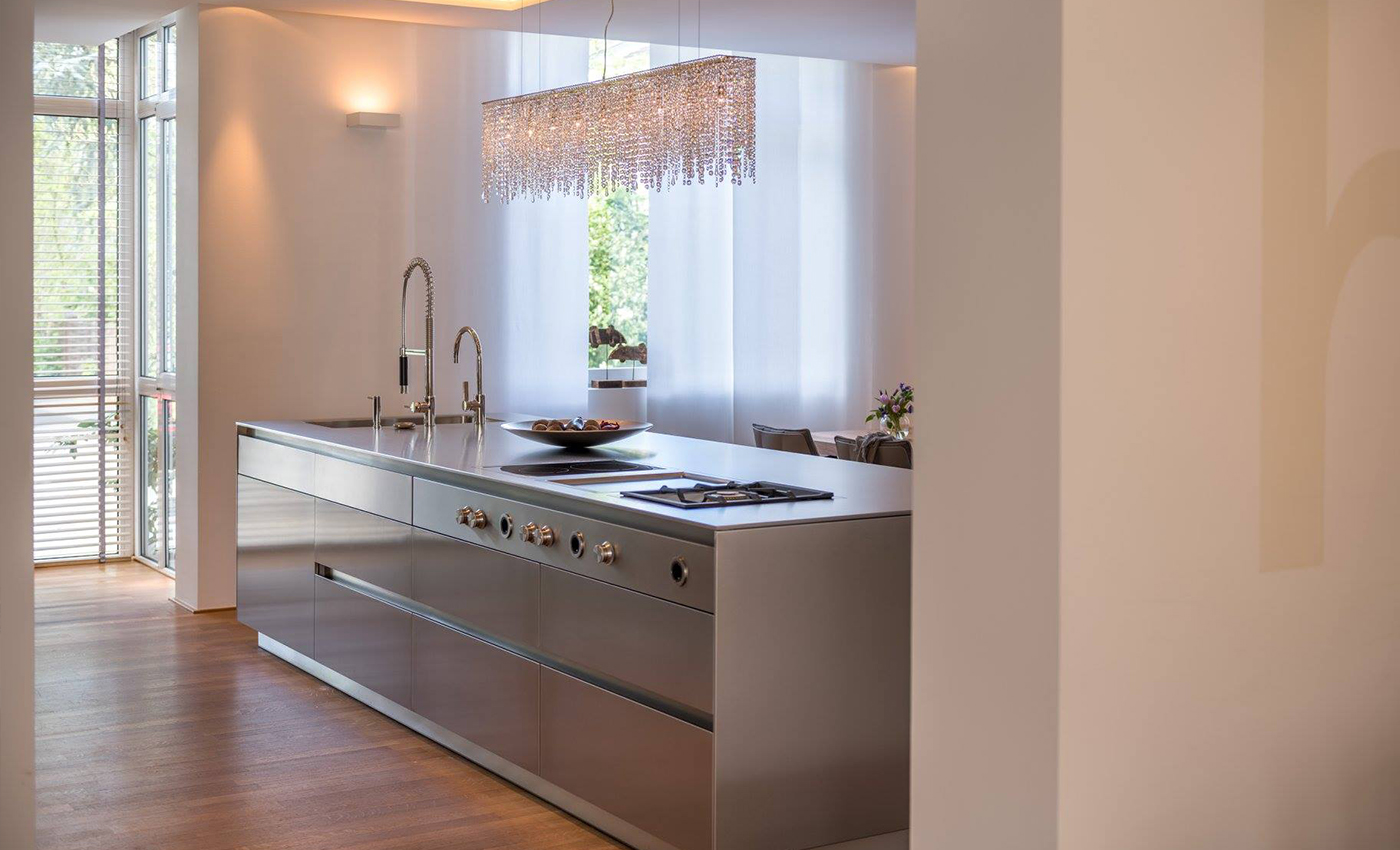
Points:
[578,423]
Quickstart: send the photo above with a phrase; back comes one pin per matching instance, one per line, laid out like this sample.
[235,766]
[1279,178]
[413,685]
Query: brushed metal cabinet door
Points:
[648,768]
[487,695]
[364,640]
[370,548]
[369,488]
[648,642]
[488,590]
[276,563]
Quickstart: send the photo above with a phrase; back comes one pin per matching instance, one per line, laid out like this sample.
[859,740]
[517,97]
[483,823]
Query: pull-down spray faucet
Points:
[428,406]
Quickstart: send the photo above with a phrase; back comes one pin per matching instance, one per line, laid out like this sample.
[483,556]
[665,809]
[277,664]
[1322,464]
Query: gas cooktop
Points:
[728,494]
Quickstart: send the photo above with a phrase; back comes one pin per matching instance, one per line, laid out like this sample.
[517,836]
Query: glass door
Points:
[156,381]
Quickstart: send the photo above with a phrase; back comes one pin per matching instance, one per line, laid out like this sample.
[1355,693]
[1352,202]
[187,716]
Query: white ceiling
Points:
[861,30]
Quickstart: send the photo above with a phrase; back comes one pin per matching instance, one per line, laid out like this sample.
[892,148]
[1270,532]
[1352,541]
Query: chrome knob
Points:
[544,537]
[607,553]
[471,517]
[528,533]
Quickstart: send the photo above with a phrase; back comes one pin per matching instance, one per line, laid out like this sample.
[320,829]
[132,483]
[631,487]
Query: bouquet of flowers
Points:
[893,411]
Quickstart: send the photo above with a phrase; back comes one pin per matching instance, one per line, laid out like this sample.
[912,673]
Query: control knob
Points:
[529,533]
[471,517]
[544,536]
[607,552]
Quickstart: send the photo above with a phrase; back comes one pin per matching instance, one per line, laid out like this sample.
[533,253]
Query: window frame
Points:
[162,384]
[119,108]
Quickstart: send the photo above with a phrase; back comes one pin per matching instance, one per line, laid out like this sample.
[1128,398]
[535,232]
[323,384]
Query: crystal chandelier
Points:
[681,123]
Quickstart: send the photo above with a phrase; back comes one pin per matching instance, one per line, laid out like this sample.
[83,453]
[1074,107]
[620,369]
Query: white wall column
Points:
[987,310]
[187,501]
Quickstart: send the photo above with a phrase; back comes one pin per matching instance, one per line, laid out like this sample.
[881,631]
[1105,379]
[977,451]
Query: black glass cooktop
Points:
[582,467]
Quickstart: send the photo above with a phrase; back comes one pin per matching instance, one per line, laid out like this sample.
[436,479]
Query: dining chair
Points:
[796,440]
[899,453]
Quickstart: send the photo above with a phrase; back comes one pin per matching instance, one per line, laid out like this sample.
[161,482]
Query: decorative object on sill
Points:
[377,120]
[605,336]
[893,410]
[623,353]
[686,122]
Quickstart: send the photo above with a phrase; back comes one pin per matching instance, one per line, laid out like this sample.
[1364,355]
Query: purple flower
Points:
[898,409]
[910,409]
[884,398]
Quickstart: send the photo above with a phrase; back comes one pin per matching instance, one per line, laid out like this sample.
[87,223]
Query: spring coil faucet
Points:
[428,406]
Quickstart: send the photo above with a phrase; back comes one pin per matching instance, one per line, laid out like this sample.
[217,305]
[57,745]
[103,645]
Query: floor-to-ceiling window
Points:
[84,501]
[155,273]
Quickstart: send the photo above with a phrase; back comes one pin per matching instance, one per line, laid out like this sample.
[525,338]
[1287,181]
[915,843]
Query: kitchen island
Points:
[730,675]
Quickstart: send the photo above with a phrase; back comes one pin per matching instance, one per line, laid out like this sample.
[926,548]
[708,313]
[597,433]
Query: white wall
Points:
[16,384]
[304,228]
[1231,597]
[986,489]
[187,408]
[1229,602]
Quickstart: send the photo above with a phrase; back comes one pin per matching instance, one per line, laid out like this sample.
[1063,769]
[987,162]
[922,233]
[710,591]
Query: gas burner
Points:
[727,494]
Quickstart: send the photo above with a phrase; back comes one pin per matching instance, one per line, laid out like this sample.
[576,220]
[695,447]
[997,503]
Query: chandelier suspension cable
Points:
[612,10]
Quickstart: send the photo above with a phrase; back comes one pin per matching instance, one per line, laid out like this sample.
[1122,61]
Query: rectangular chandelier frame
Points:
[686,123]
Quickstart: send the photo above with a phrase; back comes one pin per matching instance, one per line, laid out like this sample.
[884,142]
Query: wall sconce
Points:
[381,120]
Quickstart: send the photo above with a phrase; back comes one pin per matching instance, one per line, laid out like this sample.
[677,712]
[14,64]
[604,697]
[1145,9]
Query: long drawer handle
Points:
[618,687]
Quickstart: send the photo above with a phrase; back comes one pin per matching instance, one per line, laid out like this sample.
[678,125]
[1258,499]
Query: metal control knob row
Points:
[540,535]
[471,517]
[606,552]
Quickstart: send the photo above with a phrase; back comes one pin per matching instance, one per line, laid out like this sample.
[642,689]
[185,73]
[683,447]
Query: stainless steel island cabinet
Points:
[734,678]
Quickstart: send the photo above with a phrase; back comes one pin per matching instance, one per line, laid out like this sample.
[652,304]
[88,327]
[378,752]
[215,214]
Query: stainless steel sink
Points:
[389,421]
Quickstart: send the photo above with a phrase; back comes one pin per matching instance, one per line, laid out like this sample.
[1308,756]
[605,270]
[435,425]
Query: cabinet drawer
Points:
[276,562]
[645,641]
[276,464]
[490,591]
[645,767]
[368,547]
[364,640]
[487,695]
[368,488]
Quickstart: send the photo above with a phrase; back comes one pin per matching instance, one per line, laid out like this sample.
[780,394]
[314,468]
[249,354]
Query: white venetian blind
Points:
[84,469]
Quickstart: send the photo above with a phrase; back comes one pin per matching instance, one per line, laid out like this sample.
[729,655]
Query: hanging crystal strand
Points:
[684,123]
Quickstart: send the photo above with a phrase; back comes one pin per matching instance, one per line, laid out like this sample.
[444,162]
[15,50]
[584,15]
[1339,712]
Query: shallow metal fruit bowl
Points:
[576,439]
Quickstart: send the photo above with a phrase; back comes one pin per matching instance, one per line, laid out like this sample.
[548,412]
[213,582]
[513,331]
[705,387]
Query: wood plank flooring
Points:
[158,728]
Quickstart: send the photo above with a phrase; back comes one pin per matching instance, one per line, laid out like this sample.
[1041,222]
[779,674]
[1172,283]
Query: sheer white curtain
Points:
[762,297]
[516,272]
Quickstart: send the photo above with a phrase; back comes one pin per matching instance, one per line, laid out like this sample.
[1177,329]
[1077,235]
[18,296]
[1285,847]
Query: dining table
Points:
[826,440]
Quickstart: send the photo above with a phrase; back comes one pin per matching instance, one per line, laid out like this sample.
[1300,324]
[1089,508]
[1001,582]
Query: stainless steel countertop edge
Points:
[695,526]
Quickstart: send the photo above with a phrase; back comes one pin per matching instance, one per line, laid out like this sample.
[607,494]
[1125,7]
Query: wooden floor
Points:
[163,729]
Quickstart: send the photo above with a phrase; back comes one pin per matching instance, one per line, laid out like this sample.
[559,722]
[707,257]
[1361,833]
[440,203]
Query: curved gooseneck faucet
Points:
[427,406]
[475,406]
